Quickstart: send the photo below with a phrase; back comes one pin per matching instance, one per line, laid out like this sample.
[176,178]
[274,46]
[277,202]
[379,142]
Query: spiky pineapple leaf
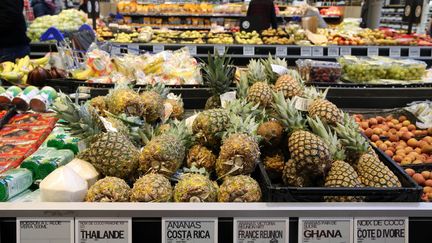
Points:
[291,118]
[218,73]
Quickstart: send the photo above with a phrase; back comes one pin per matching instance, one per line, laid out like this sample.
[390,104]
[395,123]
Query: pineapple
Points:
[274,163]
[268,70]
[177,105]
[271,133]
[239,152]
[112,153]
[153,102]
[109,189]
[207,124]
[310,152]
[260,91]
[99,104]
[201,157]
[289,86]
[152,188]
[195,186]
[124,100]
[372,172]
[218,75]
[292,177]
[165,153]
[322,108]
[342,174]
[240,188]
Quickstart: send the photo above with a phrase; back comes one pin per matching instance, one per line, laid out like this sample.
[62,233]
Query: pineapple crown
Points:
[241,107]
[117,87]
[323,131]
[242,125]
[242,86]
[272,76]
[159,88]
[81,121]
[135,126]
[218,73]
[350,135]
[312,93]
[256,72]
[287,114]
[180,130]
[194,170]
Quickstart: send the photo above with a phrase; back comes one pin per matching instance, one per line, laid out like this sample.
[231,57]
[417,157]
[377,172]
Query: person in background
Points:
[264,11]
[83,6]
[43,7]
[15,43]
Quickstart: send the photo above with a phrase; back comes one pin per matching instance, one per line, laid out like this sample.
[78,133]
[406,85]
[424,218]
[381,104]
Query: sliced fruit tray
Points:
[276,191]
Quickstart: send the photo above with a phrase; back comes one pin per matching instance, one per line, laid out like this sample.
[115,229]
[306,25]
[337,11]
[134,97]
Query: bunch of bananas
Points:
[18,72]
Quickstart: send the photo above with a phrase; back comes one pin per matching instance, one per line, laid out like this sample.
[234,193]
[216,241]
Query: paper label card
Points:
[325,230]
[317,51]
[281,51]
[345,51]
[45,230]
[189,230]
[261,230]
[373,51]
[305,51]
[219,49]
[103,230]
[192,50]
[395,52]
[377,230]
[248,50]
[158,48]
[333,51]
[414,52]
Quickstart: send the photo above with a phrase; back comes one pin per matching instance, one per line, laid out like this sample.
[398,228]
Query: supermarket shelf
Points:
[214,15]
[148,210]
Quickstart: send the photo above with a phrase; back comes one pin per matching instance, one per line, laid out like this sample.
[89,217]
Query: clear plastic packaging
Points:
[319,71]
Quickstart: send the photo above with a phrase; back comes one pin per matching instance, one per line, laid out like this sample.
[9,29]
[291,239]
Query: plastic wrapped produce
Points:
[319,71]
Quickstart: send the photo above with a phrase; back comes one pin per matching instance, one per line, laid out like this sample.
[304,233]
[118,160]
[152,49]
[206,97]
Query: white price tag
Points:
[133,49]
[192,50]
[115,50]
[158,48]
[305,51]
[373,51]
[227,97]
[317,51]
[333,51]
[219,49]
[248,50]
[281,51]
[374,230]
[281,70]
[325,230]
[414,52]
[395,52]
[345,51]
[58,230]
[301,103]
[98,230]
[261,230]
[189,230]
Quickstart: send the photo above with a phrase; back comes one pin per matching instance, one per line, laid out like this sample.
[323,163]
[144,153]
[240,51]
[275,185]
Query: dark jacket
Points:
[12,25]
[264,12]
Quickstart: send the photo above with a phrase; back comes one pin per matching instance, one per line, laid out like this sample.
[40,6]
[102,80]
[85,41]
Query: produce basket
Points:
[275,191]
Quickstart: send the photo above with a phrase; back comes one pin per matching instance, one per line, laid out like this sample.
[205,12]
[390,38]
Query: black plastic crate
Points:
[277,192]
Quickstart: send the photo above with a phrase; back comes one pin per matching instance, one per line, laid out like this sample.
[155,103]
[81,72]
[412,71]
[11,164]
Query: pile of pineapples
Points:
[147,153]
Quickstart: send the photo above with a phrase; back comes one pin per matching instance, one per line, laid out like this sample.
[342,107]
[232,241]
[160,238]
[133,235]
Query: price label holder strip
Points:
[379,229]
[260,235]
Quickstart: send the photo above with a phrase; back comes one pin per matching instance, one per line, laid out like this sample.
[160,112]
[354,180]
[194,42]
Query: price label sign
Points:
[115,50]
[158,48]
[187,230]
[192,50]
[219,49]
[325,230]
[373,51]
[317,51]
[414,52]
[374,230]
[281,51]
[261,230]
[103,230]
[248,50]
[305,51]
[333,51]
[345,51]
[395,52]
[133,49]
[58,230]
